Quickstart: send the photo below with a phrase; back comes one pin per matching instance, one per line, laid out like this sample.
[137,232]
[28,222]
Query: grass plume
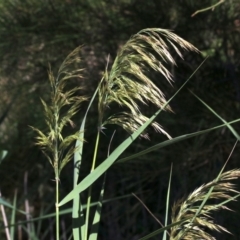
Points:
[185,210]
[128,83]
[56,147]
[128,80]
[53,144]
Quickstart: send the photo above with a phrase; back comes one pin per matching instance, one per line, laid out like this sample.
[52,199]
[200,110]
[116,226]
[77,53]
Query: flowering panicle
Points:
[57,148]
[193,225]
[128,82]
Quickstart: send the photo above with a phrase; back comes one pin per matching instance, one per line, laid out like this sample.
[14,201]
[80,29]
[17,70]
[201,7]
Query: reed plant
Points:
[126,84]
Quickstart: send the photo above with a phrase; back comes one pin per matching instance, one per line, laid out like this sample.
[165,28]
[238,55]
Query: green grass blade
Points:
[174,140]
[167,204]
[94,175]
[77,211]
[70,237]
[157,232]
[31,234]
[13,216]
[3,154]
[40,222]
[78,227]
[69,210]
[227,201]
[79,144]
[97,216]
[224,121]
[7,204]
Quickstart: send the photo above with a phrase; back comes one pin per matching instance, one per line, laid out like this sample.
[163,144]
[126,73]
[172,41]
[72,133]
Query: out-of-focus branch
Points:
[208,8]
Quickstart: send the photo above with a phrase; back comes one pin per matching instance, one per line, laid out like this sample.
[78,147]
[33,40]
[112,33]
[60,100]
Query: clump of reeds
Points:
[126,84]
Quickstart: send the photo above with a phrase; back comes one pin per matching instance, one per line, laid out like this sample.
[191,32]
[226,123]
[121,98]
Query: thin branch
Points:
[230,155]
[208,8]
[109,146]
[149,211]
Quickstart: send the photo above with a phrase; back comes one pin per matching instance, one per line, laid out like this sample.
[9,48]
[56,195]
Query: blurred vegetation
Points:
[36,33]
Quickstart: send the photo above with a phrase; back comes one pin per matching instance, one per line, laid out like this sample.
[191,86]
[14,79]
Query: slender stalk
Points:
[208,8]
[55,147]
[5,222]
[90,188]
[56,204]
[27,207]
[56,167]
[57,208]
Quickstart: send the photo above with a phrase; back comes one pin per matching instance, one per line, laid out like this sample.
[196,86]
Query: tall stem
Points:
[56,167]
[57,208]
[90,188]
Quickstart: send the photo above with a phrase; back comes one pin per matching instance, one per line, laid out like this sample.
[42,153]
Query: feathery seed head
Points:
[191,225]
[128,83]
[57,148]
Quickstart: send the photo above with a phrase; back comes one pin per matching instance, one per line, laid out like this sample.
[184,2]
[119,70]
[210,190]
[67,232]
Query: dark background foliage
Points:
[35,33]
